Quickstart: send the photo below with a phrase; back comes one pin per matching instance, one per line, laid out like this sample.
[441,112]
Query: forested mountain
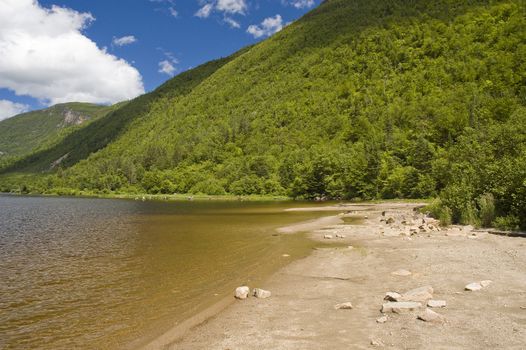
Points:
[358,99]
[26,132]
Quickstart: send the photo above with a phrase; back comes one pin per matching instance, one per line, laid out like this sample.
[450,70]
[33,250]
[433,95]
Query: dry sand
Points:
[301,315]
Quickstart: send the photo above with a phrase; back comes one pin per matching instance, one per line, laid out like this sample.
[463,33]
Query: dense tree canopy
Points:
[359,99]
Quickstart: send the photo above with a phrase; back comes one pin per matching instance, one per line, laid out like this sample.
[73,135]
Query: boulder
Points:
[343,306]
[400,306]
[401,272]
[392,296]
[473,287]
[261,293]
[436,303]
[421,294]
[430,316]
[242,292]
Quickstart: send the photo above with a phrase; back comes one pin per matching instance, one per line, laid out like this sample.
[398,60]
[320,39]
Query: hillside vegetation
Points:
[358,99]
[26,132]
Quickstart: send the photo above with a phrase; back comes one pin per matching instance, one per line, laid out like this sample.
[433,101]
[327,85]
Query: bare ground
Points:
[301,315]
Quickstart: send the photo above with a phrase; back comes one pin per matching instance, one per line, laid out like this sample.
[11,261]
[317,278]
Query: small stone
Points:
[472,287]
[286,256]
[400,307]
[390,221]
[376,342]
[485,283]
[261,293]
[340,236]
[430,316]
[382,319]
[418,294]
[242,292]
[343,306]
[392,296]
[350,247]
[327,236]
[436,303]
[401,272]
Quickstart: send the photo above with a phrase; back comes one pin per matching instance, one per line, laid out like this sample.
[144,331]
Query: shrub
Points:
[486,203]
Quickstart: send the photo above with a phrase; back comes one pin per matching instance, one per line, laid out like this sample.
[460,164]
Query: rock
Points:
[340,236]
[366,217]
[430,316]
[286,256]
[242,292]
[382,319]
[343,306]
[261,293]
[400,307]
[350,247]
[376,342]
[327,236]
[418,294]
[401,272]
[485,283]
[436,303]
[392,296]
[390,221]
[472,287]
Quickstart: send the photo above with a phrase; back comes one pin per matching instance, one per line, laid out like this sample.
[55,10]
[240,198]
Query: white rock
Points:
[382,319]
[376,342]
[327,236]
[392,296]
[343,306]
[430,316]
[242,292]
[485,283]
[400,307]
[401,272]
[286,256]
[436,303]
[418,294]
[261,293]
[350,247]
[472,287]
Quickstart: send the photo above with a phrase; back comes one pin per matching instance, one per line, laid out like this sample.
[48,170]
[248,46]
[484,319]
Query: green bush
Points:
[486,203]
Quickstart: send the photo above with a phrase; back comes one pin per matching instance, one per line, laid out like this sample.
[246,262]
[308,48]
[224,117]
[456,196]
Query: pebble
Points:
[430,316]
[382,319]
[242,292]
[436,303]
[261,293]
[376,342]
[399,307]
[401,272]
[327,236]
[343,306]
[472,287]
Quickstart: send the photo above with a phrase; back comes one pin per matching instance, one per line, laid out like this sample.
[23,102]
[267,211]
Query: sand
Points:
[301,315]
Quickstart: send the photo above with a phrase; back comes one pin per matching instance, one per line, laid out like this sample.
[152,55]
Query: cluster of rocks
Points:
[244,291]
[413,300]
[402,224]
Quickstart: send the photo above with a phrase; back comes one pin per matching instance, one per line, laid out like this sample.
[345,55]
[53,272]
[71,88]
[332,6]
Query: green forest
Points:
[358,100]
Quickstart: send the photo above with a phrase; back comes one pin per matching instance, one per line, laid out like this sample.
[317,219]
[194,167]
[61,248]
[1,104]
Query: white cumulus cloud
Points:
[230,7]
[9,109]
[268,27]
[232,23]
[125,40]
[167,67]
[44,54]
[300,4]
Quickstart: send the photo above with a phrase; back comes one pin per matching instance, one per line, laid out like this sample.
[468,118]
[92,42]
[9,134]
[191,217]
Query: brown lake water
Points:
[103,274]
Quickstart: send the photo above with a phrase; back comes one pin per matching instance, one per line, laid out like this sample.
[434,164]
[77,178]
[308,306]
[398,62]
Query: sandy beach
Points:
[370,245]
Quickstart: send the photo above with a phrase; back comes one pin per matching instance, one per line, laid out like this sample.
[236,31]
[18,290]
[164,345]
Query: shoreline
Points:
[300,314]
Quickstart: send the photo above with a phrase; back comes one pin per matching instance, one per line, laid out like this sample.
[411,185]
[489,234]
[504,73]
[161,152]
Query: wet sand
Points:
[301,315]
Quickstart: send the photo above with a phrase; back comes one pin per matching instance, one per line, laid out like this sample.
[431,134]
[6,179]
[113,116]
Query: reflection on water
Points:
[91,273]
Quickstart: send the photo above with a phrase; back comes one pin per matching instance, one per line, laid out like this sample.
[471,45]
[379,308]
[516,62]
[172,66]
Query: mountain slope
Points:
[24,133]
[358,99]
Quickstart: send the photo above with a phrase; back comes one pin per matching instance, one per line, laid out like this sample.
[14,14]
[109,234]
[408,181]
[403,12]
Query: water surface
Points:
[103,274]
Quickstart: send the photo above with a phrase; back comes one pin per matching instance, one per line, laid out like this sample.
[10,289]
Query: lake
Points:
[106,274]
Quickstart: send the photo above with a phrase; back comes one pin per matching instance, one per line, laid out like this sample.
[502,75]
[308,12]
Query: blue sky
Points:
[109,50]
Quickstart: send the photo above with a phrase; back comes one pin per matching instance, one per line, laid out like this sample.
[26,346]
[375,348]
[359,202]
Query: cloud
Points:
[44,54]
[9,109]
[173,11]
[300,4]
[167,67]
[230,7]
[268,27]
[125,40]
[232,23]
[205,11]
